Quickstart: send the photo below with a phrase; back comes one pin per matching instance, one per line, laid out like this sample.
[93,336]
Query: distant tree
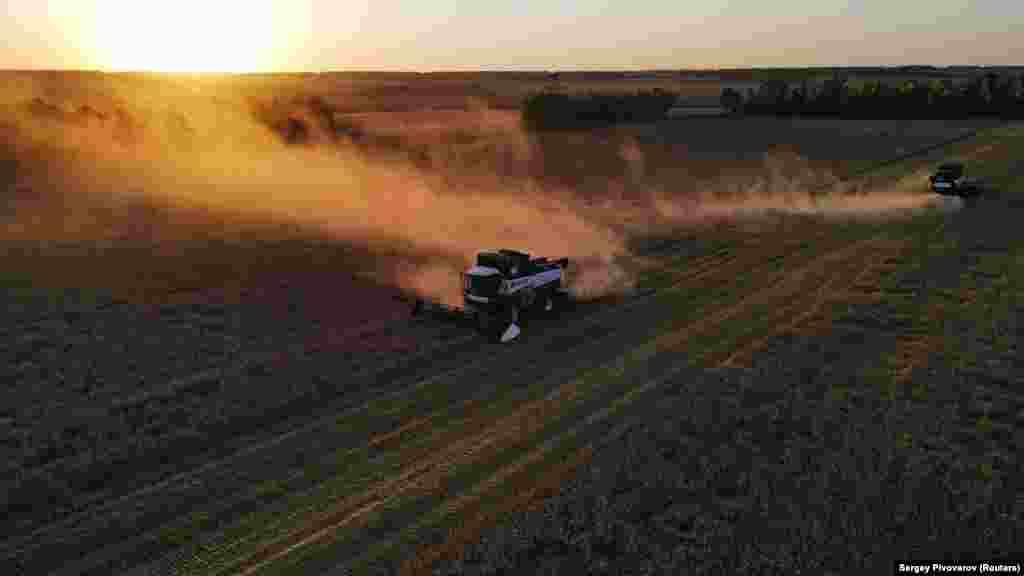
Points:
[1001,91]
[829,102]
[732,100]
[921,99]
[885,101]
[556,111]
[771,97]
[783,100]
[973,99]
[844,94]
[860,98]
[985,90]
[1018,97]
[798,99]
[938,98]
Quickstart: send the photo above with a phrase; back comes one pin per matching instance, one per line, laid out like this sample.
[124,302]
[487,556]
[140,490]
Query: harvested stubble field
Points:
[235,387]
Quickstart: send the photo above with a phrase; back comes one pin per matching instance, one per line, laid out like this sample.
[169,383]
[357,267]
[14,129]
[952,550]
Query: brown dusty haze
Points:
[447,184]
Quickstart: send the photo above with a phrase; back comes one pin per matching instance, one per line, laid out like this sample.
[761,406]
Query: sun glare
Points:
[192,35]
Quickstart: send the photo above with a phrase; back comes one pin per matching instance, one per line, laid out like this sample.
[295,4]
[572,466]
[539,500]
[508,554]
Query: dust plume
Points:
[209,147]
[788,185]
[424,190]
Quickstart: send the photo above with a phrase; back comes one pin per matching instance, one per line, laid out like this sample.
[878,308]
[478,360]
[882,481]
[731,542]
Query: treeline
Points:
[558,111]
[988,95]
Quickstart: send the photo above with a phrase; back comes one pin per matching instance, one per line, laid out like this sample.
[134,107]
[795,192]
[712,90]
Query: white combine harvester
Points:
[503,285]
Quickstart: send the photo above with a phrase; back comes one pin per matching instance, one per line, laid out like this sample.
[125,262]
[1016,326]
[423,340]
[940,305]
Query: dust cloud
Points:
[879,204]
[207,144]
[201,146]
[789,185]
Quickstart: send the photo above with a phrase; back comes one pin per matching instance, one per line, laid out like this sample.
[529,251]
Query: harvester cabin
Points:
[509,262]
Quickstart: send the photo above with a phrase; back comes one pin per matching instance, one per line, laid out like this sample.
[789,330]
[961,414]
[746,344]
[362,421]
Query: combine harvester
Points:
[951,179]
[503,285]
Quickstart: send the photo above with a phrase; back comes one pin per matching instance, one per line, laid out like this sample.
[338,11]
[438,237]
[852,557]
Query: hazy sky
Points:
[523,34]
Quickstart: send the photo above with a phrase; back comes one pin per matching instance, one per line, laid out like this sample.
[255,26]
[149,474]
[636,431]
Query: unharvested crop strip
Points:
[677,337]
[913,351]
[830,290]
[731,258]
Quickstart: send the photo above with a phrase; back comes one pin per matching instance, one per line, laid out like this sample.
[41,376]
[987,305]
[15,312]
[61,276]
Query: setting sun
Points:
[191,35]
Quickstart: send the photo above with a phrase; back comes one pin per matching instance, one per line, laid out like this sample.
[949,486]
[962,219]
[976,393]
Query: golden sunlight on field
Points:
[194,36]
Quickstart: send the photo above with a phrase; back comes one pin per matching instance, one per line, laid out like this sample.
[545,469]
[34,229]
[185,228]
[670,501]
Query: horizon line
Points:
[701,70]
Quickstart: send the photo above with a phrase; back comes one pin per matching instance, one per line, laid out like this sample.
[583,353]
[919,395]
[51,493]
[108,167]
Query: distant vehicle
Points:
[504,284]
[951,179]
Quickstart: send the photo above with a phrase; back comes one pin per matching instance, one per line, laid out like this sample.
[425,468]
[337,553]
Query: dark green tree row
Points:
[557,111]
[989,95]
